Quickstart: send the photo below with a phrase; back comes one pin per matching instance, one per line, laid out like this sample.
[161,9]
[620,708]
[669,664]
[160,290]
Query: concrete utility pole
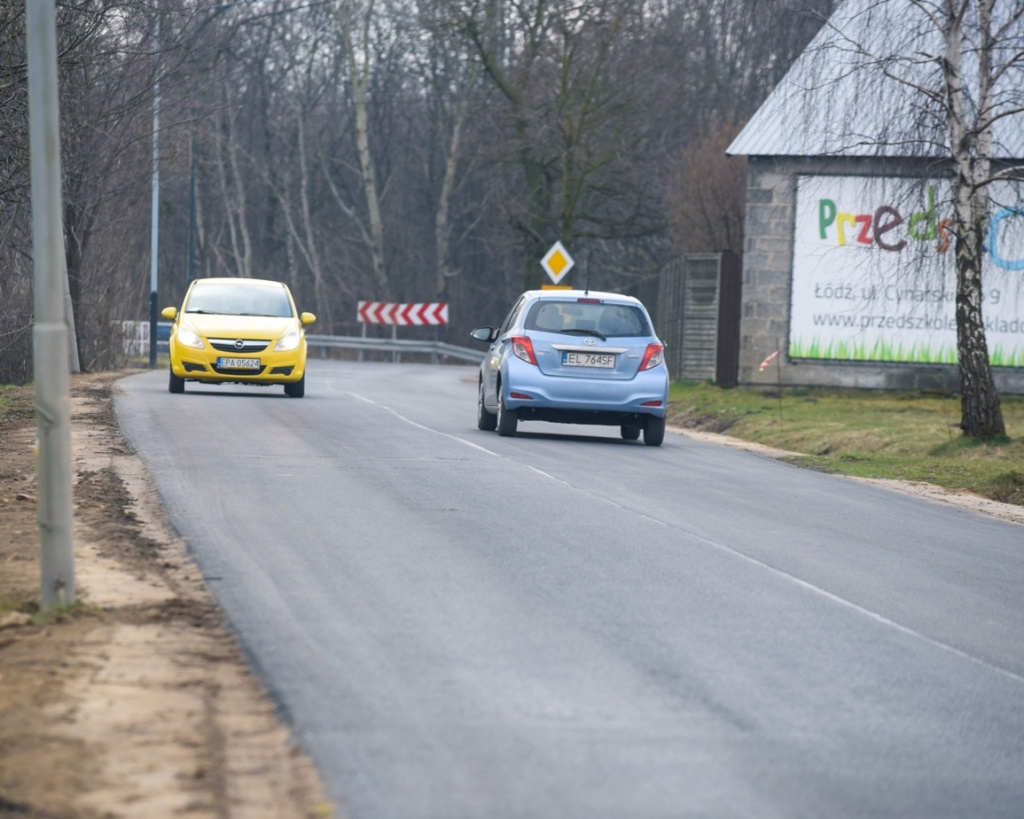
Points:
[50,330]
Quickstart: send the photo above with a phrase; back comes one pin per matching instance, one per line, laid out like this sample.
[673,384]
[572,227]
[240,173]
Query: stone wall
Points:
[767,282]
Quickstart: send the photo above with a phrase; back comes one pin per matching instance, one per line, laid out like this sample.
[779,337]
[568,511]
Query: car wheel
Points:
[485,420]
[296,389]
[630,432]
[175,384]
[654,432]
[507,419]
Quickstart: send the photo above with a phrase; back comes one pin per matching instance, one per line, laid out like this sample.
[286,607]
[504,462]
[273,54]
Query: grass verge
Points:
[910,436]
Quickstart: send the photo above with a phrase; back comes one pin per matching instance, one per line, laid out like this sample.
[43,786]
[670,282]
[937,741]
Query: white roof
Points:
[848,93]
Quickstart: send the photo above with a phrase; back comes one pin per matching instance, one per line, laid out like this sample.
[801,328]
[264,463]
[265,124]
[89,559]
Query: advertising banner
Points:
[874,274]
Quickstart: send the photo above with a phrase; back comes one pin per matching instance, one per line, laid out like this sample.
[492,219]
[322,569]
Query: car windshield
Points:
[235,300]
[587,318]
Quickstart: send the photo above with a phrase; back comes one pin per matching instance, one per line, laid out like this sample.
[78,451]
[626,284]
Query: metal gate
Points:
[697,313]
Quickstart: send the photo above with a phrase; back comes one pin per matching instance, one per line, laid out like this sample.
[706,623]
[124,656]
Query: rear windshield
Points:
[235,300]
[571,316]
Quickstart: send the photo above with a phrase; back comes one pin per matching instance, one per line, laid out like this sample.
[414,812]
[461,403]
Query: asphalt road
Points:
[564,624]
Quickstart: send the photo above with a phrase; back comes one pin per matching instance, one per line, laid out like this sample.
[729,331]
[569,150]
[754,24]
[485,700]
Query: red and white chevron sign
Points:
[382,312]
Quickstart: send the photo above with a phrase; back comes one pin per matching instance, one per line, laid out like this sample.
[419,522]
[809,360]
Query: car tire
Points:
[507,419]
[485,420]
[175,384]
[296,389]
[630,432]
[654,431]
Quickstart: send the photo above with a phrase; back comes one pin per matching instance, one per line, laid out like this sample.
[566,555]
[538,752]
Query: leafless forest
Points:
[397,150]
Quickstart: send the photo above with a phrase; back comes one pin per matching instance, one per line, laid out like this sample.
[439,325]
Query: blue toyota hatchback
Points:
[574,357]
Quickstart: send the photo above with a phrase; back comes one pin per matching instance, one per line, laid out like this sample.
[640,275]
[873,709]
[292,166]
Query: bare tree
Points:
[15,229]
[973,102]
[408,149]
[579,112]
[237,257]
[450,86]
[707,198]
[105,70]
[357,28]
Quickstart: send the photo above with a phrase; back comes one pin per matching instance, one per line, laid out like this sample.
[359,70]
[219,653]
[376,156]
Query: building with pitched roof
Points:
[848,266]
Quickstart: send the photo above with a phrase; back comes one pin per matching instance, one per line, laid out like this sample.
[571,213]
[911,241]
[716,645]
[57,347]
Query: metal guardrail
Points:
[434,349]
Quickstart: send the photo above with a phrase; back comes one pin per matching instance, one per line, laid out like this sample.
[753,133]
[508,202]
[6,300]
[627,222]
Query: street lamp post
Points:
[192,205]
[155,228]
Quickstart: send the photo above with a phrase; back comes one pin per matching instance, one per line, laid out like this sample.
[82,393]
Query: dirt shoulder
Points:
[140,702]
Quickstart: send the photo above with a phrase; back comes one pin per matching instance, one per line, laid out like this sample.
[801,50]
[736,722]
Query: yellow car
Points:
[243,331]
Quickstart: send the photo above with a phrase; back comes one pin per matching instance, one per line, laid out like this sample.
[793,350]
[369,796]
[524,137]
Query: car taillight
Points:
[522,348]
[653,356]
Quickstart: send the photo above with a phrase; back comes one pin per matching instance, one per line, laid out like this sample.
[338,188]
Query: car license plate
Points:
[606,360]
[238,363]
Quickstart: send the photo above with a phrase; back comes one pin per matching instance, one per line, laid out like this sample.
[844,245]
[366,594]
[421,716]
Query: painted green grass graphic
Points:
[1001,357]
[833,349]
[887,352]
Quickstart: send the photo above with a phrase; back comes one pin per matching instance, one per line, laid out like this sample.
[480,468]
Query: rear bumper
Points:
[591,417]
[586,401]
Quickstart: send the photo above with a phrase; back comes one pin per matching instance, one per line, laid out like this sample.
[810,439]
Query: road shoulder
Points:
[963,500]
[140,702]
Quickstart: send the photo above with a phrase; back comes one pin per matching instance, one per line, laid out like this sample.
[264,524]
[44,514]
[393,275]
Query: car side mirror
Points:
[170,313]
[307,318]
[483,334]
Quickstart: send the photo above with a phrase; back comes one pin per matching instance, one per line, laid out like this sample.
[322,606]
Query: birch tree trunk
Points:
[442,225]
[971,150]
[359,63]
[303,235]
[232,189]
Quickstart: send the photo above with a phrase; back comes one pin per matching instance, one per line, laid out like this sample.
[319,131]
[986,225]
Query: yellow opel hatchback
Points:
[243,331]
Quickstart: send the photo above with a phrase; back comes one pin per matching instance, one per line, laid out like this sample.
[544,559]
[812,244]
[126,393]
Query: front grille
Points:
[244,346]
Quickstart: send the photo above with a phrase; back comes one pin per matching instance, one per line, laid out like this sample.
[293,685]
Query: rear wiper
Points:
[580,332]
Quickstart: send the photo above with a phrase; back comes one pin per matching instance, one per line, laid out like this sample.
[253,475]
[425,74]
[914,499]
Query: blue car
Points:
[574,357]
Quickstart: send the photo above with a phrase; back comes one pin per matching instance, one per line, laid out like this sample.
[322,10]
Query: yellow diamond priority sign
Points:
[557,262]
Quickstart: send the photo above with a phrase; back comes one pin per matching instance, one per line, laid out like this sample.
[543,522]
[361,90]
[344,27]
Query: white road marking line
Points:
[841,601]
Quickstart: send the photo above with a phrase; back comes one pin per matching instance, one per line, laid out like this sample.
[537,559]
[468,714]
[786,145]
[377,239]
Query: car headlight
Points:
[189,337]
[289,341]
